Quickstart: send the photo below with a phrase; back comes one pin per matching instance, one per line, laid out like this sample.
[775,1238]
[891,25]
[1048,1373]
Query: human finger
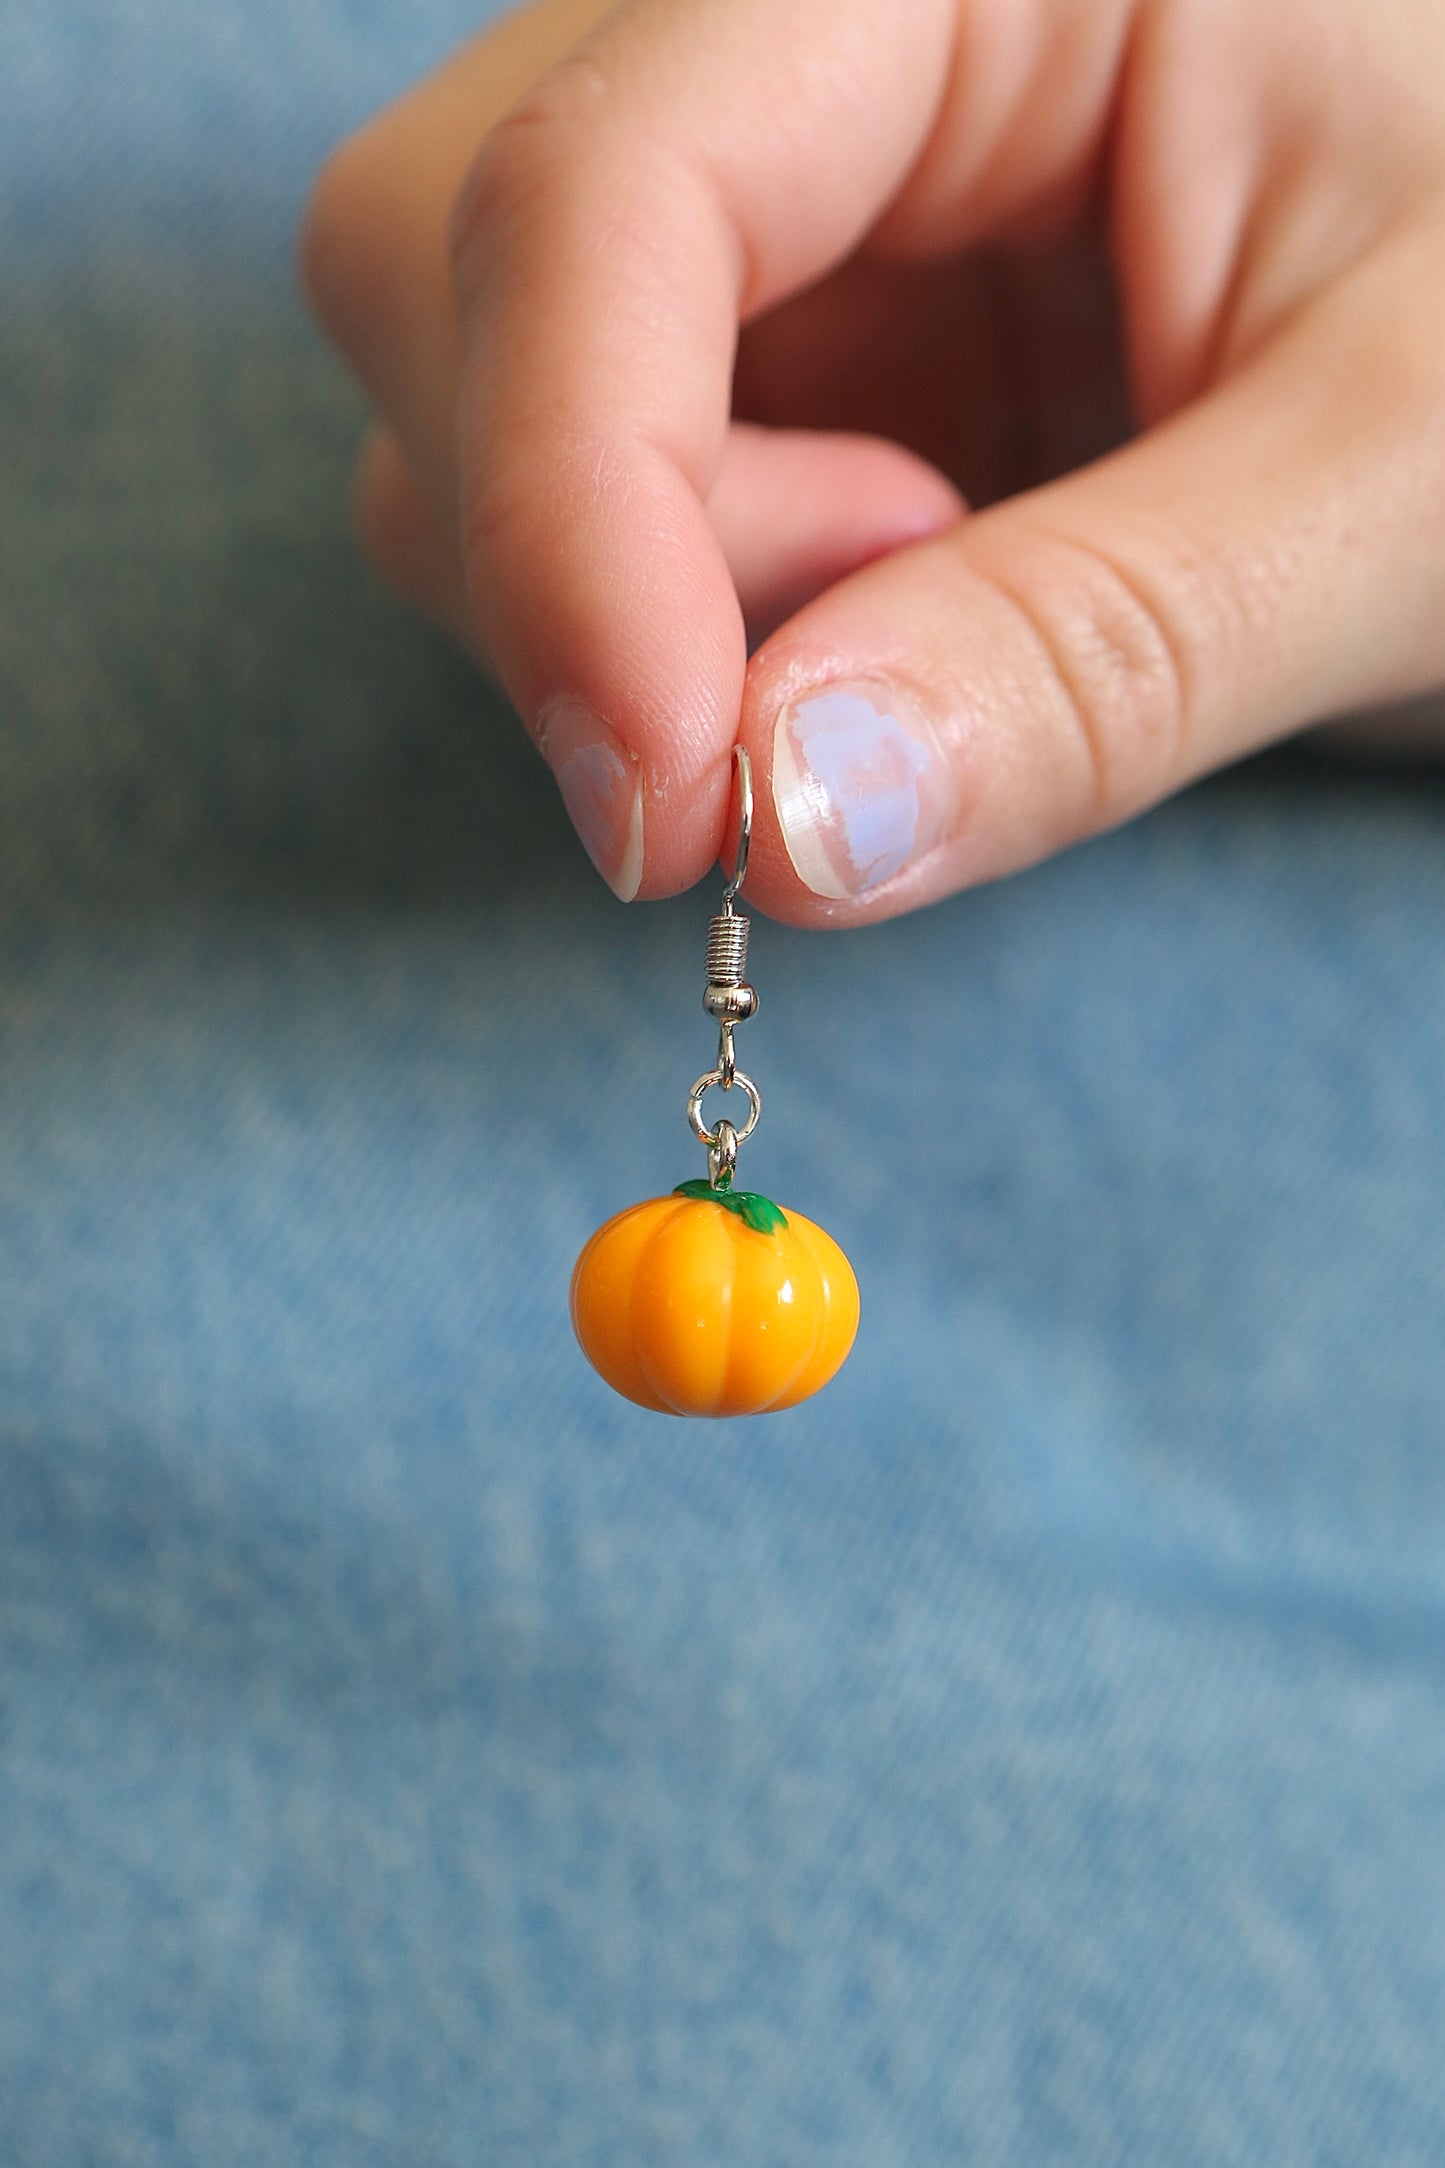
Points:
[407,546]
[617,227]
[373,244]
[794,510]
[1266,558]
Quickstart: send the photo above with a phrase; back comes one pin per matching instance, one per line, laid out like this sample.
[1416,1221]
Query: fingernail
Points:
[601,786]
[860,786]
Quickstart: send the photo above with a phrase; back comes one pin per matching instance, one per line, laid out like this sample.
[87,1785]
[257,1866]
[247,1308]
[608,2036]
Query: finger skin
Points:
[403,541]
[793,510]
[611,235]
[372,251]
[1265,555]
[1071,656]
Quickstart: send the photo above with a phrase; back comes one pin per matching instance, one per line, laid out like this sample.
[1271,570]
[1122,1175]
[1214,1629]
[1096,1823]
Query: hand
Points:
[699,320]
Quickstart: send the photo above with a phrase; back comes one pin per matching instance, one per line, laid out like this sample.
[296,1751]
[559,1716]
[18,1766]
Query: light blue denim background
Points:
[1031,1753]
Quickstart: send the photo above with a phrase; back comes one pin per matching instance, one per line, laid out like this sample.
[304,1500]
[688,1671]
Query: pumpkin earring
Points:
[712,1301]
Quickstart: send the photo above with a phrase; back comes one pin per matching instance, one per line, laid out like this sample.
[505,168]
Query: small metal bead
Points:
[731,1004]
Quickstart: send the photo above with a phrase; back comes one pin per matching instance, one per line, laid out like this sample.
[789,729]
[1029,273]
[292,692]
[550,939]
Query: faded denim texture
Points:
[1033,1752]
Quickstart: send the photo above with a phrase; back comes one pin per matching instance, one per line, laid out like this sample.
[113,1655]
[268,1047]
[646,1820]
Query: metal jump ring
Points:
[743,768]
[709,1137]
[722,1157]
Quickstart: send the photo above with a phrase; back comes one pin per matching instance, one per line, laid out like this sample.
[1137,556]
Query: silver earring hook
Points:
[729,999]
[743,769]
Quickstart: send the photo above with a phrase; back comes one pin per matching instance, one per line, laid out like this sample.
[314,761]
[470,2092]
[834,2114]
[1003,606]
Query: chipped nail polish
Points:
[859,784]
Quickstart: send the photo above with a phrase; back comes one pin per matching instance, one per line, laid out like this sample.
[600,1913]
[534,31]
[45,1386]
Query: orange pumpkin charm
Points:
[713,1302]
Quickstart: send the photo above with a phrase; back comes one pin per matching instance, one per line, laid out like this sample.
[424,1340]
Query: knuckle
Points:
[499,525]
[1126,649]
[540,137]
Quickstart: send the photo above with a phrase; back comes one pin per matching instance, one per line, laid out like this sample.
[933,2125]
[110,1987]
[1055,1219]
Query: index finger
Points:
[680,171]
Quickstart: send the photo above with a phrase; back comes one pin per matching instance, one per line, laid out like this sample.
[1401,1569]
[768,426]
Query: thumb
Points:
[1266,558]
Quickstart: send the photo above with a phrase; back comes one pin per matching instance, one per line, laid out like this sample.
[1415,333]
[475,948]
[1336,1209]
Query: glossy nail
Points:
[859,784]
[601,785]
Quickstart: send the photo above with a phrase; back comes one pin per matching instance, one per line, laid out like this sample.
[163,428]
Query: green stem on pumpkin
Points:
[759,1213]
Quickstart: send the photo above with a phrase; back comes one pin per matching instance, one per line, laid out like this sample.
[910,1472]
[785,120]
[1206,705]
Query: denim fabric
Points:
[1033,1751]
